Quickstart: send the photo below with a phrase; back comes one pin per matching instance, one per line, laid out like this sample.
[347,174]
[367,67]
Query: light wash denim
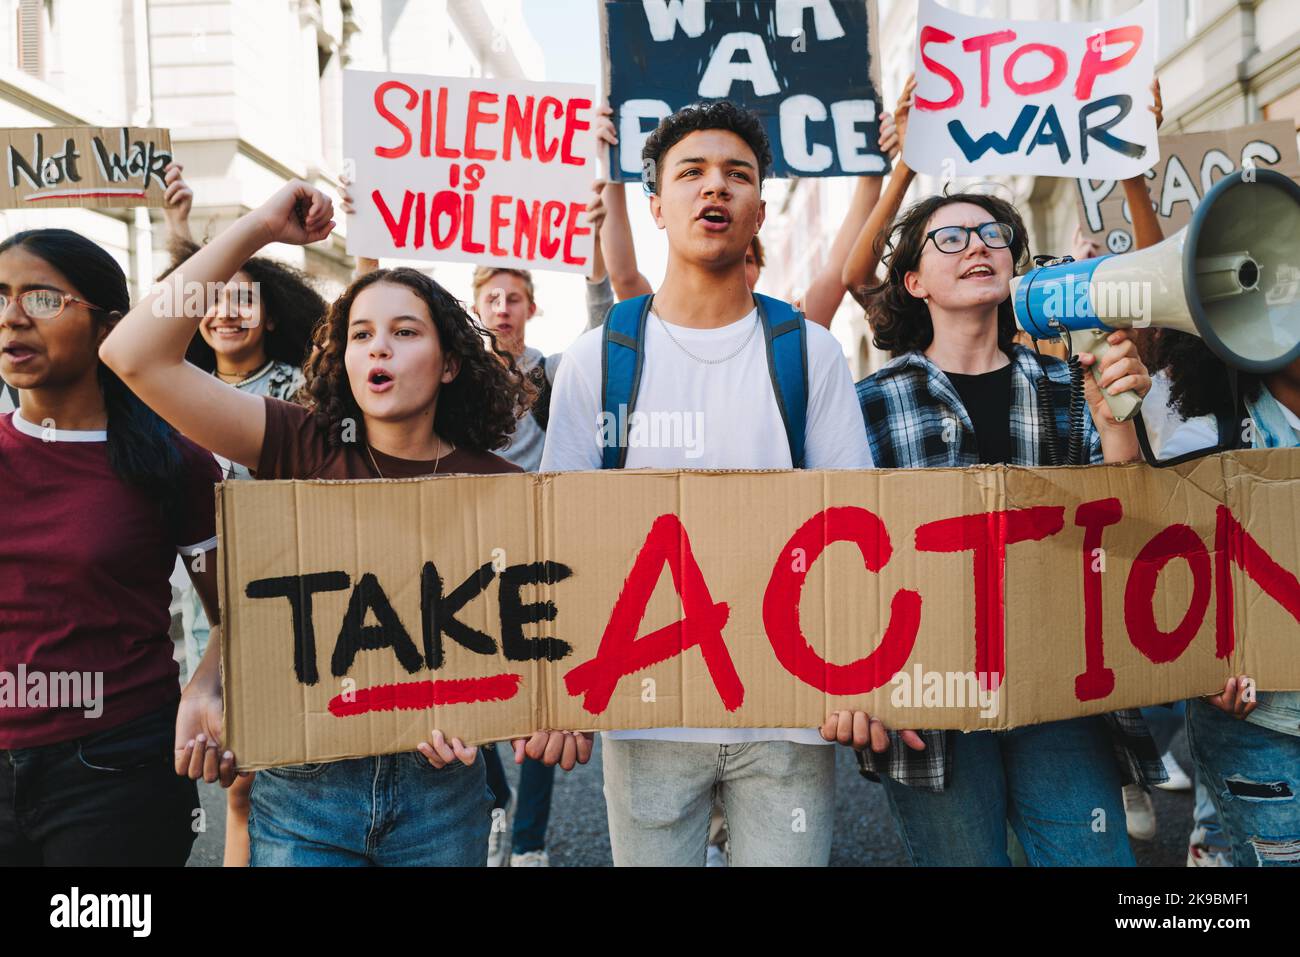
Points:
[778,798]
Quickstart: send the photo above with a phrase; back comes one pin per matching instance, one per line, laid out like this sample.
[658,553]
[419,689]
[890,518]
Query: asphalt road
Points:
[864,832]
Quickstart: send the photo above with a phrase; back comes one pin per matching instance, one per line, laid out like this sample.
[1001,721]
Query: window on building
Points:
[33,20]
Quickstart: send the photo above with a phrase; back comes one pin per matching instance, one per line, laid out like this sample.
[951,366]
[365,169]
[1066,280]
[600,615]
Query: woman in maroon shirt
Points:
[99,495]
[398,362]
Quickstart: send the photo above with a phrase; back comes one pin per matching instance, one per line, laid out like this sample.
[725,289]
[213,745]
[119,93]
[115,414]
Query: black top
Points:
[987,398]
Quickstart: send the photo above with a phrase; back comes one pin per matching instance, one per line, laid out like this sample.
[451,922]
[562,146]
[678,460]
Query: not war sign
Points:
[807,67]
[1040,98]
[360,615]
[1189,165]
[95,167]
[469,170]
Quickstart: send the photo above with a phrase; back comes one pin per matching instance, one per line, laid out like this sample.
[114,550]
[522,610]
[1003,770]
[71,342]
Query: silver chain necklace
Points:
[709,362]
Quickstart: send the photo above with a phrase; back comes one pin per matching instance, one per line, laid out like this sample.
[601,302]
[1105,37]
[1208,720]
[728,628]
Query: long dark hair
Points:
[288,299]
[1198,379]
[900,322]
[142,448]
[476,410]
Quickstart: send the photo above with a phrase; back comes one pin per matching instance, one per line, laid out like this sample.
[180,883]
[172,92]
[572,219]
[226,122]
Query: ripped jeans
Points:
[1253,774]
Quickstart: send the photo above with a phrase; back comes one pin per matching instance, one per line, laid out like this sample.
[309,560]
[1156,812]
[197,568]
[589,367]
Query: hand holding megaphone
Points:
[1119,380]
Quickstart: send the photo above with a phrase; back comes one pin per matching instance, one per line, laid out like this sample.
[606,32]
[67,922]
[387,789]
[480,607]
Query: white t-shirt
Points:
[730,420]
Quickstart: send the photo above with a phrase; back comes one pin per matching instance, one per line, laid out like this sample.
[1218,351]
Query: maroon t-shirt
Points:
[84,566]
[295,447]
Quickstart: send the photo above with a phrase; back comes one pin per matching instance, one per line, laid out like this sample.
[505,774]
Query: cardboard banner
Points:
[1042,98]
[809,69]
[469,170]
[1190,164]
[361,615]
[88,166]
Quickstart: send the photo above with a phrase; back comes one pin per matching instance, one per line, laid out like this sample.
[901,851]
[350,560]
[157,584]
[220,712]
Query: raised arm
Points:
[1146,224]
[363,264]
[826,290]
[178,199]
[147,348]
[860,266]
[616,233]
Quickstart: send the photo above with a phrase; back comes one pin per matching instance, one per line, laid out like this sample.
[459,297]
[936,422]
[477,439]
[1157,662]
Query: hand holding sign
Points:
[859,729]
[199,731]
[178,198]
[440,752]
[565,748]
[1237,697]
[298,213]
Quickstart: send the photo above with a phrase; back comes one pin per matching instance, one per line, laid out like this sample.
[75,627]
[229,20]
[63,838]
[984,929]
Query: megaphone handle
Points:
[1123,406]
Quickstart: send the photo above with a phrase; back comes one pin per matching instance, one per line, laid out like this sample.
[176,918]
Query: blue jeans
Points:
[396,810]
[533,813]
[1253,776]
[1057,784]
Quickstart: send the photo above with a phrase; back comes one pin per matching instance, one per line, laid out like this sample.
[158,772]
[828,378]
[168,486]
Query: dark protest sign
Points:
[1189,165]
[96,167]
[807,67]
[360,615]
[1035,97]
[469,170]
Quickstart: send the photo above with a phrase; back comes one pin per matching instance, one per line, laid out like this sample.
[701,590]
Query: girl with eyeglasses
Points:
[100,497]
[960,392]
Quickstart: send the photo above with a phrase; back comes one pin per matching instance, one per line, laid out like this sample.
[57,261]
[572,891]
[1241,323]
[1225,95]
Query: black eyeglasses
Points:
[955,239]
[44,303]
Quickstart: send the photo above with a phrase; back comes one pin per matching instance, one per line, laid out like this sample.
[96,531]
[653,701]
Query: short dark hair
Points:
[713,115]
[899,321]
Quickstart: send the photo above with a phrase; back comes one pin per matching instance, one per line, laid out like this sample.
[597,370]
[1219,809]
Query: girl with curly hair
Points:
[401,385]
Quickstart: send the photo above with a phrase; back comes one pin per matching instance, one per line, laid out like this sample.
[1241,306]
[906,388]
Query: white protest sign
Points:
[469,170]
[1040,98]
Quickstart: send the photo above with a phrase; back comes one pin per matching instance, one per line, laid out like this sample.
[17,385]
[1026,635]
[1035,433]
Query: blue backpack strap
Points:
[787,360]
[620,371]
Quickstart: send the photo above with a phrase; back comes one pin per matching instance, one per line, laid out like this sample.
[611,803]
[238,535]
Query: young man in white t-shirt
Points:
[705,356]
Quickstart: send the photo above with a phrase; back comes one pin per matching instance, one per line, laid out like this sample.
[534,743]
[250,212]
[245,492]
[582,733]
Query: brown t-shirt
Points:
[296,448]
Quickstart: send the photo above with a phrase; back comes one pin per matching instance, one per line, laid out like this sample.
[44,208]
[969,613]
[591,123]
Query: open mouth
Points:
[715,215]
[227,332]
[978,272]
[18,353]
[379,377]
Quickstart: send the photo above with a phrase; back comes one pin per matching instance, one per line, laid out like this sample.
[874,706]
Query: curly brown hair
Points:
[289,300]
[1198,379]
[900,322]
[476,410]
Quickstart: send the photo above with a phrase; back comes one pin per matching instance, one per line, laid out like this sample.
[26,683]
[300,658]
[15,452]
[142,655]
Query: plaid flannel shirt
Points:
[915,419]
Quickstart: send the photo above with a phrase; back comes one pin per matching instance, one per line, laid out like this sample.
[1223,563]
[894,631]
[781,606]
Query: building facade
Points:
[251,91]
